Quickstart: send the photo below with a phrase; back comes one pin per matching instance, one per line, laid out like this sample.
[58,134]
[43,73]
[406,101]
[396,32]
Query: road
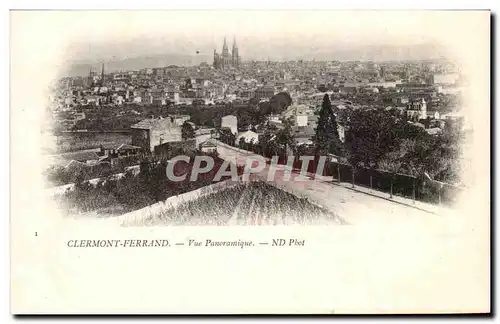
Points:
[356,207]
[353,207]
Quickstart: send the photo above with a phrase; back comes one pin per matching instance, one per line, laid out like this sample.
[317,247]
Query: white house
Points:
[341,131]
[247,136]
[449,78]
[118,100]
[417,109]
[208,147]
[230,122]
[301,120]
[434,131]
[274,118]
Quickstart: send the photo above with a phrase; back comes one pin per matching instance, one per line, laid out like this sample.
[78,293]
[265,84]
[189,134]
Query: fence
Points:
[402,185]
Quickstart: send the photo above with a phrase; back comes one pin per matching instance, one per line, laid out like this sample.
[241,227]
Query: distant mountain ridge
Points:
[365,53]
[132,63]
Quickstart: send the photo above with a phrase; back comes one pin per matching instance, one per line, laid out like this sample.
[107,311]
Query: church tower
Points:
[235,56]
[226,59]
[216,59]
[224,48]
[102,75]
[90,80]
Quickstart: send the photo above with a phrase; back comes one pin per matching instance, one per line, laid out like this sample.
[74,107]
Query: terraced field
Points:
[254,203]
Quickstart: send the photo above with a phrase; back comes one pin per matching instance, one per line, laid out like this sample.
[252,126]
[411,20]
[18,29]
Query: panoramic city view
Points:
[250,162]
[359,133]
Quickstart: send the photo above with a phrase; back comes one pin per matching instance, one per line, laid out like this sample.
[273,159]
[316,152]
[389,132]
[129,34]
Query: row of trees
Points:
[384,140]
[375,139]
[249,114]
[272,142]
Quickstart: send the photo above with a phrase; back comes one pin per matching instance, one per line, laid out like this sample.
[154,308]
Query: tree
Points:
[187,131]
[252,145]
[241,142]
[284,136]
[198,102]
[80,181]
[227,136]
[371,135]
[391,166]
[267,143]
[322,88]
[253,101]
[327,137]
[279,102]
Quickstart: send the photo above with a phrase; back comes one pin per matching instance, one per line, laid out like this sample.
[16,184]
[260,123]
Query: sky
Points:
[259,33]
[131,39]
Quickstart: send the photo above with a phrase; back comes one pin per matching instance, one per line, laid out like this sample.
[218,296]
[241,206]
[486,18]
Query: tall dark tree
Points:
[371,135]
[327,137]
[267,143]
[187,131]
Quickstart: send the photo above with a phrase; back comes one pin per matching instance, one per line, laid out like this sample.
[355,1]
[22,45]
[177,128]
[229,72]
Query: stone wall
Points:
[137,217]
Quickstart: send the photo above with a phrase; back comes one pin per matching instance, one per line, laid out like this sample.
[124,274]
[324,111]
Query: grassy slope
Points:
[246,204]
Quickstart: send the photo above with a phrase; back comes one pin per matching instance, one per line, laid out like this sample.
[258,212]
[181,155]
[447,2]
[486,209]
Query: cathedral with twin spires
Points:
[227,60]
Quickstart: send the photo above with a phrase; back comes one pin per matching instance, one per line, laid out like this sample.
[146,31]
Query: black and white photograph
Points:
[356,143]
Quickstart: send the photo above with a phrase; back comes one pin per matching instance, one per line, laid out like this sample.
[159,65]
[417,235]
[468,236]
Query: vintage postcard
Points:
[250,162]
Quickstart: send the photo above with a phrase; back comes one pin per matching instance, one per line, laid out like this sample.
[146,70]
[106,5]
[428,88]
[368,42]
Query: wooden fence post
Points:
[338,172]
[391,187]
[413,190]
[371,184]
[352,176]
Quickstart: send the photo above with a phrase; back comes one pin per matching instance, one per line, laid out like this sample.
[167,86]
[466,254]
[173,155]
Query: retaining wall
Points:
[137,217]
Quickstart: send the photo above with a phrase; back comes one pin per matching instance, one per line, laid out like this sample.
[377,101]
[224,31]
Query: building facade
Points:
[248,136]
[265,92]
[226,60]
[230,122]
[150,133]
[417,109]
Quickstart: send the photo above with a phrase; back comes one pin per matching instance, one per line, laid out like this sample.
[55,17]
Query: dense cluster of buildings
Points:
[230,80]
[422,90]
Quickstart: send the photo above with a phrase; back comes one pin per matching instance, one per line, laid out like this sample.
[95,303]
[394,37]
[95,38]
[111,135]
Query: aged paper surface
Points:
[345,250]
